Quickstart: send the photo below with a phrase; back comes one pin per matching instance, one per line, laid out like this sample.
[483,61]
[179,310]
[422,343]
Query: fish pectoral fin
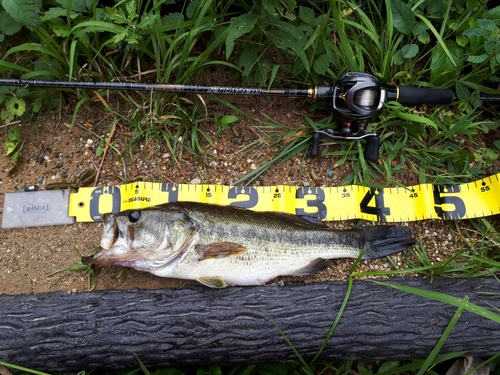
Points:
[218,250]
[212,281]
[314,266]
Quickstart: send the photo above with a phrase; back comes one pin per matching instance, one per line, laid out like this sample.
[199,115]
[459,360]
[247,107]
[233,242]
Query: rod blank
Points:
[312,92]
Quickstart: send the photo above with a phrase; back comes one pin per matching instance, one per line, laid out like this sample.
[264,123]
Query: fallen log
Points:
[197,326]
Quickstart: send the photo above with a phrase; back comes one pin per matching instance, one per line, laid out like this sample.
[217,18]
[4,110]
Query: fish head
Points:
[144,239]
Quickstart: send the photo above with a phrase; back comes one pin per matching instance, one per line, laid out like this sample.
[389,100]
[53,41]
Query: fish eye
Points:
[134,216]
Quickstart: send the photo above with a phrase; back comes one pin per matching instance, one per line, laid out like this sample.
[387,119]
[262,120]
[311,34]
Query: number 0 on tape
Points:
[474,199]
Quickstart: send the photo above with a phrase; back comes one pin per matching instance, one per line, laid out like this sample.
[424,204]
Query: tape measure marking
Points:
[399,204]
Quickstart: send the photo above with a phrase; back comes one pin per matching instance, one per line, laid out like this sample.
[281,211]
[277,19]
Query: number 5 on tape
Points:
[446,206]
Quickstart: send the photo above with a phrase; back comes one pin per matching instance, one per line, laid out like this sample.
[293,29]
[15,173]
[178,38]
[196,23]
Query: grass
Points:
[79,267]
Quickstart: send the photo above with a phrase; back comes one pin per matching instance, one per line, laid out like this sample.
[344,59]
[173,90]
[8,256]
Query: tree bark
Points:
[198,326]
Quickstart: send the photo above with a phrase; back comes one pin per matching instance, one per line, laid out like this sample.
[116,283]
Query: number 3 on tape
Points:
[316,202]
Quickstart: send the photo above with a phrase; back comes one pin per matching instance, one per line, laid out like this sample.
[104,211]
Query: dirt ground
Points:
[29,257]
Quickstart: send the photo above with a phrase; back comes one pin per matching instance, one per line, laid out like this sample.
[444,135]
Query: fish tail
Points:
[383,240]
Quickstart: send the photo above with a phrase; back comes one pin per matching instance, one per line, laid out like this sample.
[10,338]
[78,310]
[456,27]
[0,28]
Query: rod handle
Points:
[409,95]
[315,145]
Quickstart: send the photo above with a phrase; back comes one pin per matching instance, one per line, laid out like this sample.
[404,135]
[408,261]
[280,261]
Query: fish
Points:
[223,246]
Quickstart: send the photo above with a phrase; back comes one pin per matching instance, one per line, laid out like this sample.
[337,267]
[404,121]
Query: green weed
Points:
[21,368]
[78,267]
[13,146]
[224,122]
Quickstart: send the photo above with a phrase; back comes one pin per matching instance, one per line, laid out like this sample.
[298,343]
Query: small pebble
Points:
[59,165]
[329,172]
[41,180]
[237,141]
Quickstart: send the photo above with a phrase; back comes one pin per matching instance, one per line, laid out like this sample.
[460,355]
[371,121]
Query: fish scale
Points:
[223,245]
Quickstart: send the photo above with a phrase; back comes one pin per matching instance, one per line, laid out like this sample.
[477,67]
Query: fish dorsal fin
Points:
[212,281]
[218,250]
[314,266]
[305,221]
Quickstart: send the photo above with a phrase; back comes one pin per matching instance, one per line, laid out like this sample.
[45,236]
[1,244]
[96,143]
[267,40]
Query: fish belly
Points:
[257,265]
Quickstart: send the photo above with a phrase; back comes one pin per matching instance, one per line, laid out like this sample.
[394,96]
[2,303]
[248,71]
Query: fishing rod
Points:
[356,98]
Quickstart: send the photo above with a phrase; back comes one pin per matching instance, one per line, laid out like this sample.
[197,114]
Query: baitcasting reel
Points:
[357,97]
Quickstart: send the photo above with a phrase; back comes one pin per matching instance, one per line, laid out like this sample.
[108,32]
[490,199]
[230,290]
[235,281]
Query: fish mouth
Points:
[106,257]
[110,232]
[113,249]
[88,260]
[92,260]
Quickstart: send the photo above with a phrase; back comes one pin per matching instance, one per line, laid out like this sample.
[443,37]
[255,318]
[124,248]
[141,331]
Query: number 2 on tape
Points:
[248,192]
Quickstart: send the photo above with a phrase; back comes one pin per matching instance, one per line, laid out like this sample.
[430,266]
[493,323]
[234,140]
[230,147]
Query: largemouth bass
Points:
[220,246]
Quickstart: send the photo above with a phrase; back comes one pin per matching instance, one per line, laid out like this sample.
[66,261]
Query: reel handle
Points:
[371,150]
[315,145]
[409,95]
[372,143]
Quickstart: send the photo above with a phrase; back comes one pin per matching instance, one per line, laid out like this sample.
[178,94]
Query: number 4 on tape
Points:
[373,204]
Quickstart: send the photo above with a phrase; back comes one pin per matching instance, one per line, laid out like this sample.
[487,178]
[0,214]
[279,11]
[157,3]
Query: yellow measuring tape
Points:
[426,201]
